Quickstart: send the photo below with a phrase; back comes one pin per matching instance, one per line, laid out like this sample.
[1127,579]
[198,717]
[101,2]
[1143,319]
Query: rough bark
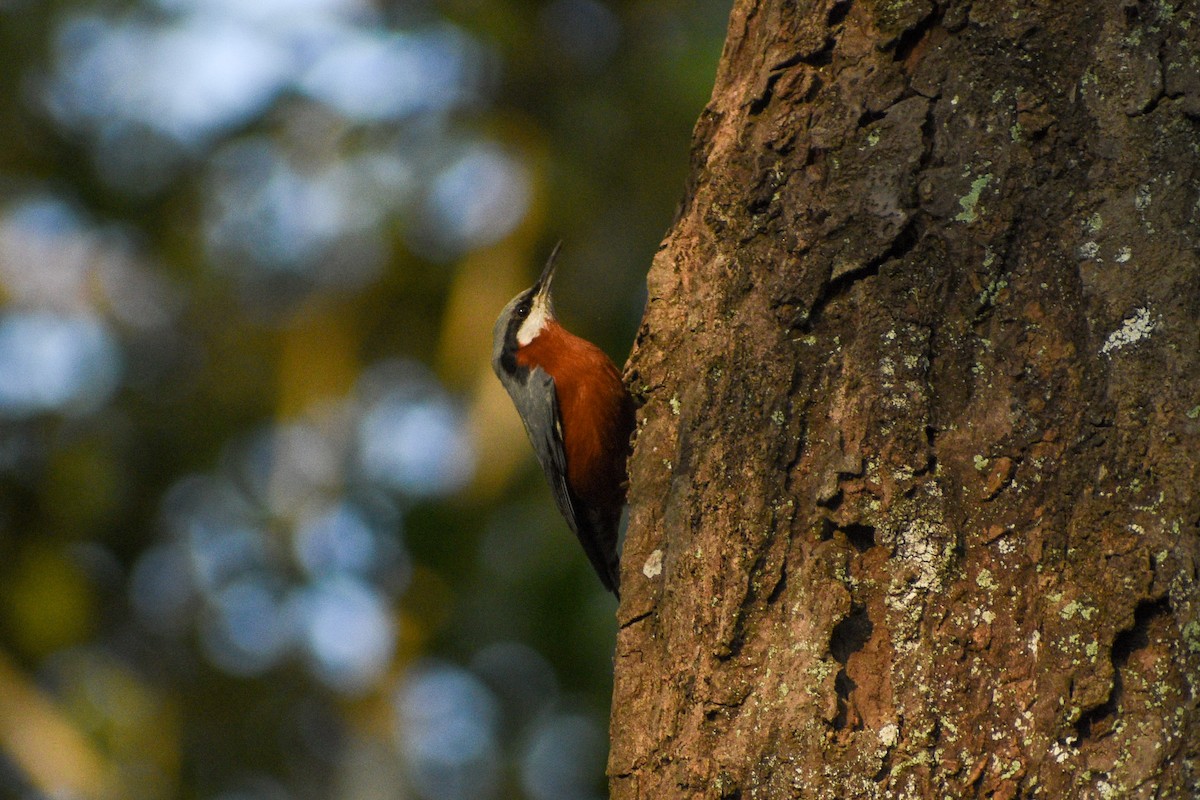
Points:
[914,497]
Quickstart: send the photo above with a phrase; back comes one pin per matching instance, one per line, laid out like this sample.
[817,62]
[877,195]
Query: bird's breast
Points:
[595,411]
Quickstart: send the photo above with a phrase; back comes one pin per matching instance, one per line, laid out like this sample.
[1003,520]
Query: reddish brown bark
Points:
[914,506]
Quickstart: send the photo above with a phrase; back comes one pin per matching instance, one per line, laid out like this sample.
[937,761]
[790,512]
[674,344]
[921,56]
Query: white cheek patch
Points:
[535,323]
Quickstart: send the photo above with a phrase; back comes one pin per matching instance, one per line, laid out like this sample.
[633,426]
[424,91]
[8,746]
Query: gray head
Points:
[525,316]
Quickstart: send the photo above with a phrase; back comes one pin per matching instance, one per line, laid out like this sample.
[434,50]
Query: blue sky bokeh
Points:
[269,527]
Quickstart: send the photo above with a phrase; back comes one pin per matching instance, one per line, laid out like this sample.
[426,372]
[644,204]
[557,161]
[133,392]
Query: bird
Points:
[577,412]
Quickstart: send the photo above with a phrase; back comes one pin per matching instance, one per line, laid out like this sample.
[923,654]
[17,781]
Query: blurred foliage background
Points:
[269,527]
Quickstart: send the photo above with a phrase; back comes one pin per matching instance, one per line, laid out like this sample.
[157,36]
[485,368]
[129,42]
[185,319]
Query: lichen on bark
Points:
[914,506]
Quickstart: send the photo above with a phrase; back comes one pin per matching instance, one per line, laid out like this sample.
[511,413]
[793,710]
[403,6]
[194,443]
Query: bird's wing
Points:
[543,423]
[544,426]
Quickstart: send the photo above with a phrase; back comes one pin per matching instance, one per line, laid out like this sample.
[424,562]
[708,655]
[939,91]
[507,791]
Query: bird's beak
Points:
[542,287]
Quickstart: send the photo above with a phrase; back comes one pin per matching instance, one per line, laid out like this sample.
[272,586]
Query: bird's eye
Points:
[523,311]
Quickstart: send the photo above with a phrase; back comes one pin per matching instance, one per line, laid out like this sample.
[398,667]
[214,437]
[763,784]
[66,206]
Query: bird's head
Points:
[525,316]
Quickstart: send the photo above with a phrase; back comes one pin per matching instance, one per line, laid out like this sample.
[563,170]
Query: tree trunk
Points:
[914,500]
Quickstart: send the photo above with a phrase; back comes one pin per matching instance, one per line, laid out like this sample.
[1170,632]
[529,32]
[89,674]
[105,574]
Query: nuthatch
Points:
[578,415]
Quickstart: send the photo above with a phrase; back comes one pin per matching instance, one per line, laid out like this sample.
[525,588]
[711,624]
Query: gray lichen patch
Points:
[1133,329]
